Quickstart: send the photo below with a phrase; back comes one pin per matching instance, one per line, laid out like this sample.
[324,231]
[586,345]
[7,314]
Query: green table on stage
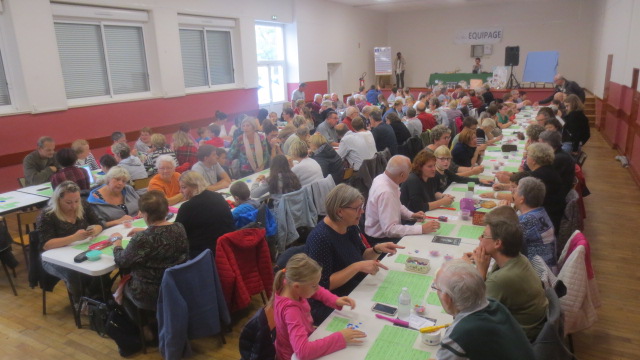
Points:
[457,77]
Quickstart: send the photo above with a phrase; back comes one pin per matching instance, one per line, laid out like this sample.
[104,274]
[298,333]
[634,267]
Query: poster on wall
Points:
[500,77]
[382,58]
[479,36]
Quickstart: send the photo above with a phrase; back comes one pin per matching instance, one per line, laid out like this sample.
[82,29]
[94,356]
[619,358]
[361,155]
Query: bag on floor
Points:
[123,331]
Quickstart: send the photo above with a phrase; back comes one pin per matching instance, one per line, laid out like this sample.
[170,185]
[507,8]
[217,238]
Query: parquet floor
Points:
[612,228]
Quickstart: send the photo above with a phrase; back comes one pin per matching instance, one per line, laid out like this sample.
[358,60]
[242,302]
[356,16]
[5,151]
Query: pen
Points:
[44,188]
[395,321]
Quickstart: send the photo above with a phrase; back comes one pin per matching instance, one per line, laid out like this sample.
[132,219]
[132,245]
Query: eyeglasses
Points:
[434,287]
[483,236]
[359,208]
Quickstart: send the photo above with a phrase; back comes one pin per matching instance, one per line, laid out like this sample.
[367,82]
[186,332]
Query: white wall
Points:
[617,32]
[426,38]
[334,33]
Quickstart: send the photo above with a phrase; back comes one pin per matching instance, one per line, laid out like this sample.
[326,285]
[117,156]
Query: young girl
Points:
[292,287]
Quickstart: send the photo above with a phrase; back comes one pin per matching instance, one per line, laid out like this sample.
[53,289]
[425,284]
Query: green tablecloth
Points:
[445,78]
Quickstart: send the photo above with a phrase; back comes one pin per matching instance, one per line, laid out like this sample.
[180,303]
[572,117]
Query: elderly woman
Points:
[65,220]
[150,252]
[249,149]
[538,231]
[205,215]
[327,157]
[336,244]
[158,148]
[184,147]
[540,160]
[467,152]
[85,157]
[167,179]
[115,202]
[281,180]
[484,133]
[575,132]
[444,177]
[307,169]
[69,171]
[420,191]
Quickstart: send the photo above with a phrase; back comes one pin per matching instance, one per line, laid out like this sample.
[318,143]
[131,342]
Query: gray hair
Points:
[533,131]
[553,138]
[44,139]
[532,190]
[351,110]
[398,164]
[327,103]
[302,131]
[167,158]
[117,172]
[340,197]
[194,180]
[298,121]
[438,131]
[463,283]
[249,120]
[541,153]
[121,149]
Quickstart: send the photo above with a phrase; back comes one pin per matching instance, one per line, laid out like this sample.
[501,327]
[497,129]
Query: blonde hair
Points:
[181,139]
[54,203]
[453,104]
[300,268]
[78,146]
[298,149]
[442,151]
[158,140]
[194,180]
[317,140]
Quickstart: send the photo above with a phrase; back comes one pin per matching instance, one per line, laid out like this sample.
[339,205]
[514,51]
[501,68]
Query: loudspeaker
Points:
[512,56]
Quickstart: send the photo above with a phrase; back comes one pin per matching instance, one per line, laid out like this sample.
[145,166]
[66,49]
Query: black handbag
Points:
[123,331]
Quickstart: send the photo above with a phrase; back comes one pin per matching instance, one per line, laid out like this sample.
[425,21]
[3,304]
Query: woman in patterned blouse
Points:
[249,149]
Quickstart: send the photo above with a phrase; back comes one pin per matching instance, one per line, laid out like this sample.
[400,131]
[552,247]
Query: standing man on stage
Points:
[477,67]
[398,68]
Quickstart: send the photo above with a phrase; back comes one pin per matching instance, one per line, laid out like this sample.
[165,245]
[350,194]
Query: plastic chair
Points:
[26,223]
[22,182]
[549,344]
[141,183]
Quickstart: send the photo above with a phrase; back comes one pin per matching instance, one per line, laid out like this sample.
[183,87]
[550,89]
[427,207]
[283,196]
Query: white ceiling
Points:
[413,5]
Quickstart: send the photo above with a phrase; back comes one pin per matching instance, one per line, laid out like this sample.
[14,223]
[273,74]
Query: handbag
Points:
[123,331]
[98,313]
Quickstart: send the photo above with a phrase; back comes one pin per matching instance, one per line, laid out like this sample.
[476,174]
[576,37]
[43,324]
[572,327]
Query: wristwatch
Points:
[376,251]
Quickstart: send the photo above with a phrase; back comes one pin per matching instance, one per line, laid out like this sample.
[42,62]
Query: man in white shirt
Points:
[298,94]
[355,147]
[208,166]
[384,214]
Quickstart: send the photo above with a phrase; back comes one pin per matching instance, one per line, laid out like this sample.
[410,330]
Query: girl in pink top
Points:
[292,287]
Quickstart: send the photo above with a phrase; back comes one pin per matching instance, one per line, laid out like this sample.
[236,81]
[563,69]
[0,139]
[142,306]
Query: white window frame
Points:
[204,24]
[270,63]
[88,15]
[9,61]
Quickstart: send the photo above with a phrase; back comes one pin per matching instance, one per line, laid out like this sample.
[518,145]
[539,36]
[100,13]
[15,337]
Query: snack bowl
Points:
[94,255]
[432,338]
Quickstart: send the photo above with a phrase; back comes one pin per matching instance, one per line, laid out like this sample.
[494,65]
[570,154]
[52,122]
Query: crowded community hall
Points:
[301,179]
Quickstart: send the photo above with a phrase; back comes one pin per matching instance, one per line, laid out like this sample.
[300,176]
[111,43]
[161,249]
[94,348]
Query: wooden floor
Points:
[613,228]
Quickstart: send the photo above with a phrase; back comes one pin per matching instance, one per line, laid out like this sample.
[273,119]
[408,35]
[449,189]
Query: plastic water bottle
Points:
[404,305]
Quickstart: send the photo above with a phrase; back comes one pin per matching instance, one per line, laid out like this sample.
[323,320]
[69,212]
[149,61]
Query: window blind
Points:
[127,62]
[194,61]
[5,99]
[220,57]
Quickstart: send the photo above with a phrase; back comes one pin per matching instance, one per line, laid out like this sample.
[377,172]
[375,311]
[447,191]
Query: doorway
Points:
[335,79]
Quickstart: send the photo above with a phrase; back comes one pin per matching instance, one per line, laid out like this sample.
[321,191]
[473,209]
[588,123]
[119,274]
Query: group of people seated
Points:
[310,142]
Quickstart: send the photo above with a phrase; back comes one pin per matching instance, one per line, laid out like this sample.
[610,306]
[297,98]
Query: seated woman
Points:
[307,169]
[167,181]
[158,148]
[399,129]
[65,220]
[184,148]
[249,149]
[420,191]
[441,135]
[85,157]
[575,132]
[67,159]
[537,229]
[336,244]
[467,152]
[115,202]
[150,252]
[205,215]
[540,160]
[553,125]
[444,176]
[281,180]
[484,133]
[330,162]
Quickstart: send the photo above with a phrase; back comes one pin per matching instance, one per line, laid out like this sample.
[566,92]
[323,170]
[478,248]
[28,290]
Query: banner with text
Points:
[491,35]
[382,57]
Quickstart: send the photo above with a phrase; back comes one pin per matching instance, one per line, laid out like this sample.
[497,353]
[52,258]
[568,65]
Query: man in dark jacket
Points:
[565,86]
[383,133]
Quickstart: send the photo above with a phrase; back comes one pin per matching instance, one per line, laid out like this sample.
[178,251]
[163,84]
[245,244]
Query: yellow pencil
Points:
[429,329]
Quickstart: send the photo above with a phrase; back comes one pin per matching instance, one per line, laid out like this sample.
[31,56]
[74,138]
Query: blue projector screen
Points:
[541,66]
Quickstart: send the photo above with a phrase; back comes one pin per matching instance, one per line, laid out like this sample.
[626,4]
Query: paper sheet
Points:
[390,289]
[396,343]
[470,231]
[445,229]
[139,223]
[401,258]
[337,324]
[418,322]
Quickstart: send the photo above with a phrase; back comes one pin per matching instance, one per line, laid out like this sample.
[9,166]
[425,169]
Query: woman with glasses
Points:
[420,191]
[444,176]
[337,245]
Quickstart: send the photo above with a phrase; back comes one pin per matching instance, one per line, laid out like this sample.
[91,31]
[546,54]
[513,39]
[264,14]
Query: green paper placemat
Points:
[445,229]
[482,191]
[490,157]
[392,285]
[396,343]
[494,148]
[47,192]
[337,324]
[107,250]
[8,205]
[401,258]
[513,169]
[455,204]
[139,223]
[459,189]
[470,231]
[432,299]
[484,210]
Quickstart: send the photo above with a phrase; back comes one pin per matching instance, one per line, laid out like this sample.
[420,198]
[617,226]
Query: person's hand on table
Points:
[125,218]
[387,247]
[430,226]
[119,241]
[485,182]
[447,199]
[477,169]
[134,231]
[418,215]
[344,301]
[503,176]
[94,230]
[260,178]
[81,235]
[500,187]
[482,260]
[351,336]
[371,267]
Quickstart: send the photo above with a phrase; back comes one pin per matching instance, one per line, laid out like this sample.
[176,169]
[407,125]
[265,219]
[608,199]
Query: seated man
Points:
[242,197]
[354,147]
[384,212]
[135,167]
[119,137]
[512,281]
[481,328]
[207,166]
[40,165]
[327,128]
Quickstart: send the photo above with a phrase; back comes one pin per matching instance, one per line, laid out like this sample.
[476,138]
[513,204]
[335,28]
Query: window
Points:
[207,57]
[101,58]
[5,98]
[271,63]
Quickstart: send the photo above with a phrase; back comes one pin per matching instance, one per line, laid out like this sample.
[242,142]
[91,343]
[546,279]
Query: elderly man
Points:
[327,106]
[208,166]
[564,86]
[512,281]
[482,328]
[298,94]
[316,104]
[428,121]
[385,213]
[167,181]
[327,128]
[383,133]
[40,164]
[355,147]
[351,113]
[135,167]
[118,137]
[302,133]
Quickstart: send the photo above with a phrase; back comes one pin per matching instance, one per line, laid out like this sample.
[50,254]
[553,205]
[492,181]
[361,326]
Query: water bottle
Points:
[404,305]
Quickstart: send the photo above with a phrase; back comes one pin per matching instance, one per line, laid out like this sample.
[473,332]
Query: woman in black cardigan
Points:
[444,176]
[540,158]
[400,129]
[575,132]
[420,191]
[330,162]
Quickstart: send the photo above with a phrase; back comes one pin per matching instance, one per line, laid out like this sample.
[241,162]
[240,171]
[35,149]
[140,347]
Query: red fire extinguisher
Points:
[362,79]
